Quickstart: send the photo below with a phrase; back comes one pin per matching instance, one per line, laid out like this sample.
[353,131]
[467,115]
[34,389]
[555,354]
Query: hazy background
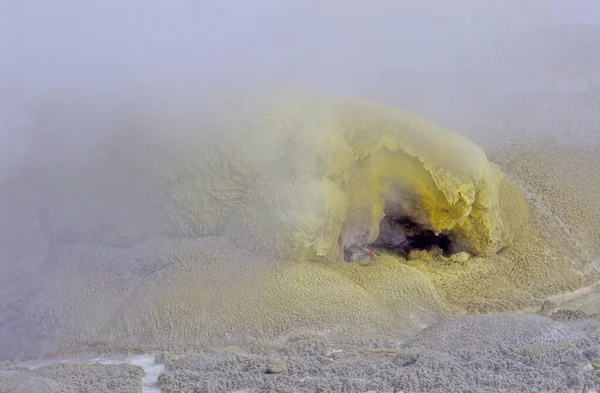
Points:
[72,70]
[421,55]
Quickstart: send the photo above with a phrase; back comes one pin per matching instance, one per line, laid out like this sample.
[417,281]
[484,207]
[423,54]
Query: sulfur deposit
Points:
[231,221]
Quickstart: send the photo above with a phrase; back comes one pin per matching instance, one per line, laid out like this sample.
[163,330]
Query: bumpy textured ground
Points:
[555,351]
[71,378]
[511,353]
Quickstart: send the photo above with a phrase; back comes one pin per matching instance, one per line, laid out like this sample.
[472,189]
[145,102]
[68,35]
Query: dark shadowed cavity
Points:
[399,235]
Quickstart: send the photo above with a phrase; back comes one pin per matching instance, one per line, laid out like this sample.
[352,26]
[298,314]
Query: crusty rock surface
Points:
[495,353]
[71,378]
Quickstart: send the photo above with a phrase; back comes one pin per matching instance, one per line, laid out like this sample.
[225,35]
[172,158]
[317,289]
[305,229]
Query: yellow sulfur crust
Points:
[241,212]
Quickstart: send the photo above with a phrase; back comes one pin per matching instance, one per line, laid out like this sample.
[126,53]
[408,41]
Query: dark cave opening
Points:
[401,235]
